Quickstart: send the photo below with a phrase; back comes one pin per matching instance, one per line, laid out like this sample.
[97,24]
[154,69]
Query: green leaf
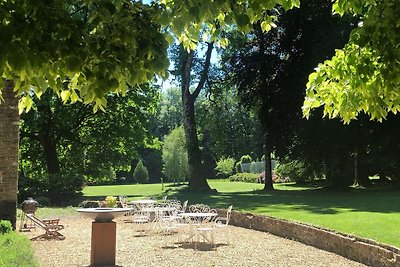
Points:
[265,27]
[242,20]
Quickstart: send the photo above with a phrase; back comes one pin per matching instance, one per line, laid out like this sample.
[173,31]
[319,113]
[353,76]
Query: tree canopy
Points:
[364,75]
[88,48]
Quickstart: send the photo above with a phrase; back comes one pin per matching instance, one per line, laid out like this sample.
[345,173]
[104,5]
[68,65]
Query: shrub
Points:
[16,250]
[246,159]
[244,177]
[5,226]
[225,166]
[141,174]
[295,170]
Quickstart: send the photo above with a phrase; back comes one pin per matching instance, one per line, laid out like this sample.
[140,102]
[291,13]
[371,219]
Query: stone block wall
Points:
[355,248]
[9,138]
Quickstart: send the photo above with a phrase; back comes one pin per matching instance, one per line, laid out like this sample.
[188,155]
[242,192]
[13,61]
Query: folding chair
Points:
[51,227]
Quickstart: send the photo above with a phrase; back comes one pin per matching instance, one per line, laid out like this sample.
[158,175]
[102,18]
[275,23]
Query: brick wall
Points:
[9,138]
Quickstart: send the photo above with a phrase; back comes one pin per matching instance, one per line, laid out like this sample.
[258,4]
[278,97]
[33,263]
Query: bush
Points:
[246,159]
[5,227]
[225,166]
[60,188]
[244,177]
[141,174]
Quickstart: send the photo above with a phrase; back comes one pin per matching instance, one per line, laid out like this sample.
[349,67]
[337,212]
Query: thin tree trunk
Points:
[9,139]
[356,178]
[268,185]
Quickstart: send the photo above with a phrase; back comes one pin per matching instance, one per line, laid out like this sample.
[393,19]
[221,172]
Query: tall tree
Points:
[197,181]
[271,69]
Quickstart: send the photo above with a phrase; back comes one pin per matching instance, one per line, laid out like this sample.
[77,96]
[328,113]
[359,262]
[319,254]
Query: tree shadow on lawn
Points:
[318,201]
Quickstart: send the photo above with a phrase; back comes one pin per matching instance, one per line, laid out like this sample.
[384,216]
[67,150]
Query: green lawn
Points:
[371,214]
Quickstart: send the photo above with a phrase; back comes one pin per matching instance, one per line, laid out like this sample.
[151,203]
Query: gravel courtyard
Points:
[245,248]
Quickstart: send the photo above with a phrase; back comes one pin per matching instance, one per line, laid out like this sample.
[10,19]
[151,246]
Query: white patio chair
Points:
[141,221]
[123,200]
[223,222]
[205,230]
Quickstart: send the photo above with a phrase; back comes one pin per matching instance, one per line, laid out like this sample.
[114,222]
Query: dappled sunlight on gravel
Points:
[246,248]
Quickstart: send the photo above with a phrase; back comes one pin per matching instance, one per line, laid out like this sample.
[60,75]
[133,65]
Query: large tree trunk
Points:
[197,181]
[9,139]
[268,186]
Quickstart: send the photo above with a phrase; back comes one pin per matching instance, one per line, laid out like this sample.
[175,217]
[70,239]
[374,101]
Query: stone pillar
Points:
[103,244]
[9,138]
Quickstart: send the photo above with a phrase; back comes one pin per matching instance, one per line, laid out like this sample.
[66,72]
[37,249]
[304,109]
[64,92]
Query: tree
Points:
[270,69]
[141,175]
[237,130]
[60,137]
[197,181]
[363,76]
[174,155]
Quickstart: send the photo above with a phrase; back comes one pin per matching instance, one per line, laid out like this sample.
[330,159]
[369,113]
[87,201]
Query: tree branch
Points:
[204,73]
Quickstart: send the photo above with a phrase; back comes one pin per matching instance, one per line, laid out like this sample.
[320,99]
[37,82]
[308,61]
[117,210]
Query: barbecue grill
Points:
[29,206]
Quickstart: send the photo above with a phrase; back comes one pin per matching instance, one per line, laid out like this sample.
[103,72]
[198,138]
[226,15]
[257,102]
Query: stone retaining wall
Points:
[358,249]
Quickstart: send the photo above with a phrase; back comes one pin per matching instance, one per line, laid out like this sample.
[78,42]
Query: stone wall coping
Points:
[363,250]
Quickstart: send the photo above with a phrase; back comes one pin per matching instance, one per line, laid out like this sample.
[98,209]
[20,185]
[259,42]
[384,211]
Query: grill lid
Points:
[30,205]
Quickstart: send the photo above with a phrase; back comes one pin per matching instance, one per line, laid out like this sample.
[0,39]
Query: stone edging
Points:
[355,248]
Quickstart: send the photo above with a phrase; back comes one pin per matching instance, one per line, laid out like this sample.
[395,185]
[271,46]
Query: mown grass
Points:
[373,214]
[16,250]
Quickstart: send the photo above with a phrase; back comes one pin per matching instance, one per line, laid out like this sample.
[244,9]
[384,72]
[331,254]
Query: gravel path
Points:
[246,248]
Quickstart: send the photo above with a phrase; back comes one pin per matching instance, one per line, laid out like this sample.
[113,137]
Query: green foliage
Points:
[244,177]
[295,170]
[79,136]
[104,46]
[61,188]
[174,156]
[96,48]
[140,174]
[16,250]
[246,159]
[5,226]
[363,76]
[188,21]
[225,166]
